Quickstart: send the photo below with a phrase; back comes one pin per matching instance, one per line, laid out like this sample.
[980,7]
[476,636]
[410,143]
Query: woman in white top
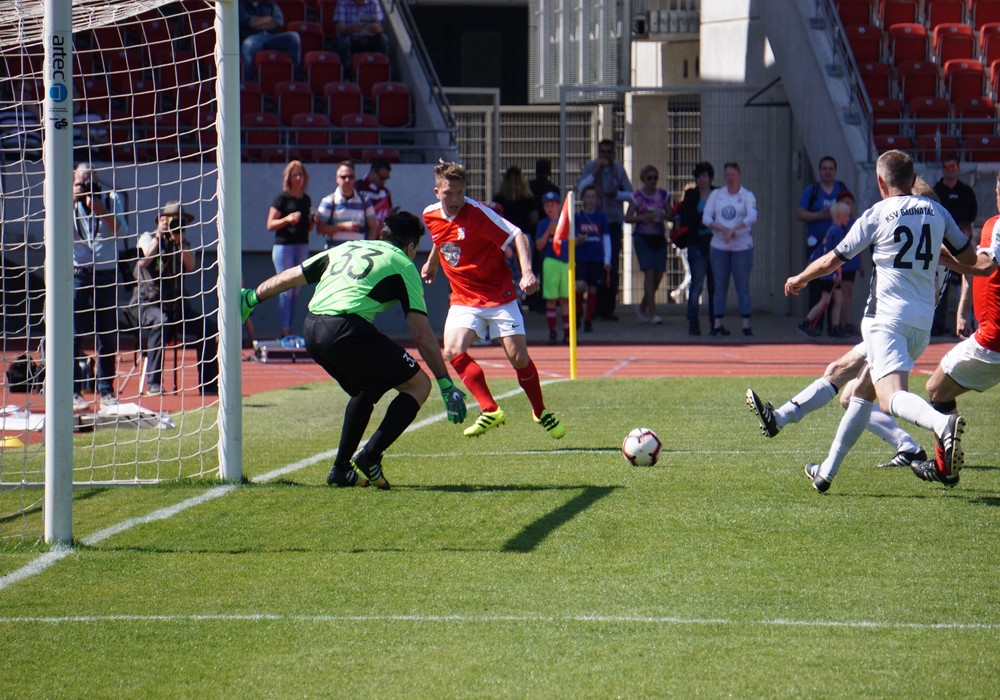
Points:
[730,214]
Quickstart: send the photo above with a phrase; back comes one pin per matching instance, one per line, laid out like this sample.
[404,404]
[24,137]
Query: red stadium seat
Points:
[173,67]
[976,109]
[293,98]
[888,143]
[271,68]
[865,41]
[963,78]
[952,40]
[201,29]
[389,154]
[292,11]
[325,10]
[251,98]
[989,43]
[194,103]
[995,79]
[392,104]
[341,98]
[310,35]
[366,134]
[940,11]
[893,12]
[369,68]
[933,113]
[877,79]
[918,79]
[331,154]
[931,149]
[886,114]
[107,38]
[983,149]
[907,42]
[93,92]
[261,135]
[322,67]
[984,12]
[854,11]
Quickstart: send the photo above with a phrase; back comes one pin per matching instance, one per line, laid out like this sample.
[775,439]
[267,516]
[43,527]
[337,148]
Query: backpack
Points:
[814,195]
[24,375]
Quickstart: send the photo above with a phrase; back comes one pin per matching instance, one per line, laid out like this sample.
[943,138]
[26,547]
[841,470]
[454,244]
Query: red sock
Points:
[550,318]
[527,377]
[474,380]
[939,458]
[591,306]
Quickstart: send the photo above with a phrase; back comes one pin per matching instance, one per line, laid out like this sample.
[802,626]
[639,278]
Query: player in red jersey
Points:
[469,241]
[973,364]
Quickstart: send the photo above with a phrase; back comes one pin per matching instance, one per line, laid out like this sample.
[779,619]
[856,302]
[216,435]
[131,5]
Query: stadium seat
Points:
[292,11]
[194,103]
[331,154]
[392,104]
[367,135]
[995,79]
[310,35]
[201,29]
[369,68]
[311,130]
[886,114]
[984,12]
[989,43]
[322,67]
[107,38]
[94,93]
[261,135]
[389,154]
[982,149]
[854,11]
[150,29]
[907,42]
[940,11]
[865,41]
[271,68]
[963,78]
[931,149]
[341,98]
[981,110]
[893,12]
[118,63]
[293,98]
[932,113]
[86,63]
[917,79]
[877,79]
[324,11]
[953,40]
[251,98]
[142,102]
[888,143]
[173,67]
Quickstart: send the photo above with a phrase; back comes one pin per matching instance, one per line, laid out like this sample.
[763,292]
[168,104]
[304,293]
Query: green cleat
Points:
[551,424]
[486,421]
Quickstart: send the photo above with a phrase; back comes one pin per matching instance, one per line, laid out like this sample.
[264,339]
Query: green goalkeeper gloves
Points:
[248,300]
[454,400]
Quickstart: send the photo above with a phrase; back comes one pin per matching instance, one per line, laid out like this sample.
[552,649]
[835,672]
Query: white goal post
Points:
[145,92]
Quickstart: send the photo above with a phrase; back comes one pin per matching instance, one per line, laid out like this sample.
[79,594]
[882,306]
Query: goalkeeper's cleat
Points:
[819,483]
[928,470]
[551,424]
[371,469]
[764,412]
[905,459]
[345,476]
[486,421]
[950,442]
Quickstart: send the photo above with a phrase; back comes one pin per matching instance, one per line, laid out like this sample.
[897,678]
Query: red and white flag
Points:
[564,225]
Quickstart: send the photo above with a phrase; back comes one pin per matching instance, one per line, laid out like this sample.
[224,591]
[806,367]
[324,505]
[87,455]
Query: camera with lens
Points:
[91,187]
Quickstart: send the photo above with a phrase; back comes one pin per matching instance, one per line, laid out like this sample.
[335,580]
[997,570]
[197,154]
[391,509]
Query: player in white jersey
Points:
[905,233]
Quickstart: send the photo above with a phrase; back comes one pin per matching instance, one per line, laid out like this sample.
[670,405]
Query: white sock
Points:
[883,425]
[814,396]
[852,425]
[909,406]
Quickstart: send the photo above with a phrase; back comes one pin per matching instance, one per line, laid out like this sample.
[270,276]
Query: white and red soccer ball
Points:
[641,447]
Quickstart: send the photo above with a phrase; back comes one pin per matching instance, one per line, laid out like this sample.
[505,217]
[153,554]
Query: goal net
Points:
[145,229]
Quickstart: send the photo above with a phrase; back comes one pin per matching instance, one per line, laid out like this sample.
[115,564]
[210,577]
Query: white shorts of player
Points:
[972,366]
[499,321]
[892,347]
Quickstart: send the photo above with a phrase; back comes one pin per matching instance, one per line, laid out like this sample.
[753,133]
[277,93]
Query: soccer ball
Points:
[641,447]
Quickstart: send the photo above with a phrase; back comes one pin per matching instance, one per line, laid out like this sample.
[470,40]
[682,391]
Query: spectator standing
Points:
[830,285]
[730,213]
[960,201]
[359,28]
[96,226]
[593,254]
[345,214]
[555,269]
[160,305]
[613,188]
[699,246]
[290,218]
[260,28]
[376,192]
[514,201]
[647,212]
[543,184]
[849,272]
[814,211]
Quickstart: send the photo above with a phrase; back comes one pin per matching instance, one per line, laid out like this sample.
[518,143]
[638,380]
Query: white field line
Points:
[515,619]
[46,560]
[621,365]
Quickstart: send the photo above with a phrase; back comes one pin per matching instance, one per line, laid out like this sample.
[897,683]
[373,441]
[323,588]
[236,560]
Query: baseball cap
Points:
[846,194]
[175,209]
[550,197]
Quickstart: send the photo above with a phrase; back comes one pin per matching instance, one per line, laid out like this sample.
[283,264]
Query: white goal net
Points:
[148,262]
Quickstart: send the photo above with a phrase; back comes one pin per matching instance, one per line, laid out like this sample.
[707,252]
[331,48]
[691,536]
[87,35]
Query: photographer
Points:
[95,227]
[159,305]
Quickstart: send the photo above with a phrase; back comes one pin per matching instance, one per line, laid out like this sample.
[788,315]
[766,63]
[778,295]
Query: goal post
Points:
[146,93]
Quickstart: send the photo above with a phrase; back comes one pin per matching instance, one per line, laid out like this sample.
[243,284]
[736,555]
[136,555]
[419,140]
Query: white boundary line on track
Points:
[485,619]
[58,553]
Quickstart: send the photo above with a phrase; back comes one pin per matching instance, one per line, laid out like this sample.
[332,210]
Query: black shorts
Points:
[359,356]
[591,271]
[826,285]
[848,275]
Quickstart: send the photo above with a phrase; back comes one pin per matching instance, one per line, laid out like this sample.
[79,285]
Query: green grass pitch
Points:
[514,565]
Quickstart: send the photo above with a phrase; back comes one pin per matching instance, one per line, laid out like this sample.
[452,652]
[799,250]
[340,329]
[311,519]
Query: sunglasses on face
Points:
[345,177]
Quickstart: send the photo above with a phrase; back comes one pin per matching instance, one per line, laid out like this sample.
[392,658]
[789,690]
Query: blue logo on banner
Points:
[58,93]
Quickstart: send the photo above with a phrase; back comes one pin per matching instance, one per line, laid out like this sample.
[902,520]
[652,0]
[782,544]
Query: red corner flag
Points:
[564,224]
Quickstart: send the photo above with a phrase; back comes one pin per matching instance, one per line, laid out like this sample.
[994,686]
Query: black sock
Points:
[356,416]
[398,417]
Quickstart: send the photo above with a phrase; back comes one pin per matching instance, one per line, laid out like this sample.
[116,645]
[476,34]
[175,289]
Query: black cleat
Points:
[928,471]
[904,459]
[950,441]
[819,483]
[371,469]
[765,414]
[344,477]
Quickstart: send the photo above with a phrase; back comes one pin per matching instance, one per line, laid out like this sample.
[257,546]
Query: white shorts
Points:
[499,321]
[972,366]
[892,347]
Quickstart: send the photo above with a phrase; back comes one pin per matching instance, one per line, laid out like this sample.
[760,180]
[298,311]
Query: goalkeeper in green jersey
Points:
[355,281]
